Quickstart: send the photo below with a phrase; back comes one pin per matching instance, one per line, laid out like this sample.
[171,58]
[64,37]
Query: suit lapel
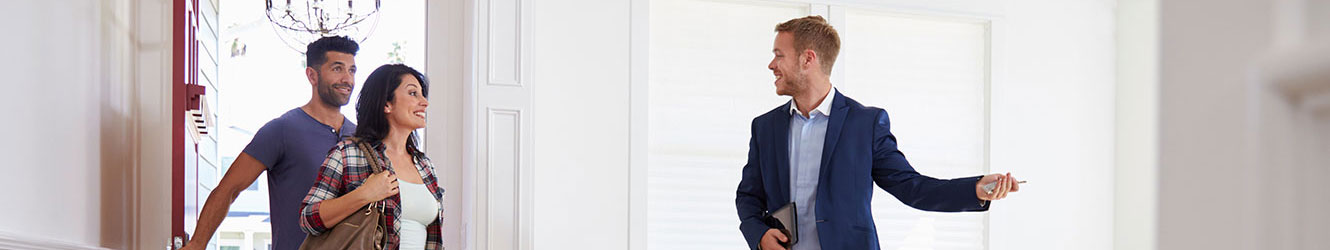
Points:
[782,143]
[839,110]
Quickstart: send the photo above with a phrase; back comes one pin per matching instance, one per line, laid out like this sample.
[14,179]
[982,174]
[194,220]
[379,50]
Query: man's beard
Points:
[793,83]
[329,95]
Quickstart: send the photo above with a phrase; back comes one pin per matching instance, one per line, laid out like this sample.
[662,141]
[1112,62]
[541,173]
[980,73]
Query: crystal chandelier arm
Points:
[347,22]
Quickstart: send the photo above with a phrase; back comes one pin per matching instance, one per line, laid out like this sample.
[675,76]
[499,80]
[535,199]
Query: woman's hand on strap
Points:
[377,187]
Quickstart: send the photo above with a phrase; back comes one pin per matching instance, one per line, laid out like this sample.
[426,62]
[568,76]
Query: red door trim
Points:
[178,69]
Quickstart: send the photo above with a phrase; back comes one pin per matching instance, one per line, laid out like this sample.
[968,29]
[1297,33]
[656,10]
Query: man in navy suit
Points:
[824,151]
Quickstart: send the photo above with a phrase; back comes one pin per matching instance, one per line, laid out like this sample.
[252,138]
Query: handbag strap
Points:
[375,164]
[372,155]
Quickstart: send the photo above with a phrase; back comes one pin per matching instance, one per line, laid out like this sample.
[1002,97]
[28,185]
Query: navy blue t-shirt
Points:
[293,147]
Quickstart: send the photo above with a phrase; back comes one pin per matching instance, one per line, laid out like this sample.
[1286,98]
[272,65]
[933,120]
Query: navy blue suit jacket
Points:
[859,151]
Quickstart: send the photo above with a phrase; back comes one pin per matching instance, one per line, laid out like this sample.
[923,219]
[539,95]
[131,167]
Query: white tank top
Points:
[419,209]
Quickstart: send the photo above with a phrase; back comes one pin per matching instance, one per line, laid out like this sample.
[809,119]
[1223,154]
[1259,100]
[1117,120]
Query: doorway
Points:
[250,75]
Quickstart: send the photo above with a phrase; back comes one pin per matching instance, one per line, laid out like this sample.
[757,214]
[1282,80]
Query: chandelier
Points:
[304,21]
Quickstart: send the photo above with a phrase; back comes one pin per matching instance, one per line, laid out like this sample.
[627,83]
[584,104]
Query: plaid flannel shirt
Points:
[346,167]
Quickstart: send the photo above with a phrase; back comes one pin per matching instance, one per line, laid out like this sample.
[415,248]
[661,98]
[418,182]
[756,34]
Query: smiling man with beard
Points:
[291,147]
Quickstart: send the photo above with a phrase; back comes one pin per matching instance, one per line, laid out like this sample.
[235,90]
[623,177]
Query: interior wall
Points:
[1290,90]
[445,36]
[1210,189]
[53,99]
[1052,123]
[1235,149]
[1135,182]
[72,96]
[580,77]
[117,123]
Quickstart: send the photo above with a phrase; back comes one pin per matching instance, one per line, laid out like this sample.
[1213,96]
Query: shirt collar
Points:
[824,107]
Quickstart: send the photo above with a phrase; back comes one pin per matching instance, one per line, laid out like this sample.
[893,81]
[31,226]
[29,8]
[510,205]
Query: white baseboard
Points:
[13,241]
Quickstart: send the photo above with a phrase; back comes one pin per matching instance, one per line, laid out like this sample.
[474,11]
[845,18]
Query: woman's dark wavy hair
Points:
[377,92]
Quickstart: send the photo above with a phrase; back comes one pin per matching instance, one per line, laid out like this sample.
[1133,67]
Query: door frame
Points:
[450,142]
[184,18]
[154,52]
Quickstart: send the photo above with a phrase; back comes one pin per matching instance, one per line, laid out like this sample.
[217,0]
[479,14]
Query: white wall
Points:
[580,76]
[445,38]
[1238,159]
[1052,124]
[70,114]
[444,32]
[1217,127]
[1136,152]
[1205,200]
[53,101]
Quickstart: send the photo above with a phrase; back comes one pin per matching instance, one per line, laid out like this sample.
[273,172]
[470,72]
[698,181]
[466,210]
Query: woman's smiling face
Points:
[407,108]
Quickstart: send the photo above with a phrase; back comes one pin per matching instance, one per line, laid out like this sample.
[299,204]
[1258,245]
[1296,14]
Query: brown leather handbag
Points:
[363,229]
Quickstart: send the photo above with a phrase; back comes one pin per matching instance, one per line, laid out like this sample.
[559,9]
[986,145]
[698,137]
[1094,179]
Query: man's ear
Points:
[312,75]
[808,58]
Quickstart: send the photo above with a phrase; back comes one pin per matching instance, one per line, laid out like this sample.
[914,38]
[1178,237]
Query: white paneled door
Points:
[502,118]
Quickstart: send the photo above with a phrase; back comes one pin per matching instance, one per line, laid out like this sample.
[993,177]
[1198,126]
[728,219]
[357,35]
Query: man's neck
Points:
[324,114]
[816,93]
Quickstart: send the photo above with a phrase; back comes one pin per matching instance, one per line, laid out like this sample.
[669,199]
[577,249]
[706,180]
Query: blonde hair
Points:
[813,32]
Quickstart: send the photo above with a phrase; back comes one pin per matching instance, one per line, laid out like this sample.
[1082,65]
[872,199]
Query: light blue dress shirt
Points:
[807,136]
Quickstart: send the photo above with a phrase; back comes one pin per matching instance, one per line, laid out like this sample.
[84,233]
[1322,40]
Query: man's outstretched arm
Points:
[242,173]
[894,174]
